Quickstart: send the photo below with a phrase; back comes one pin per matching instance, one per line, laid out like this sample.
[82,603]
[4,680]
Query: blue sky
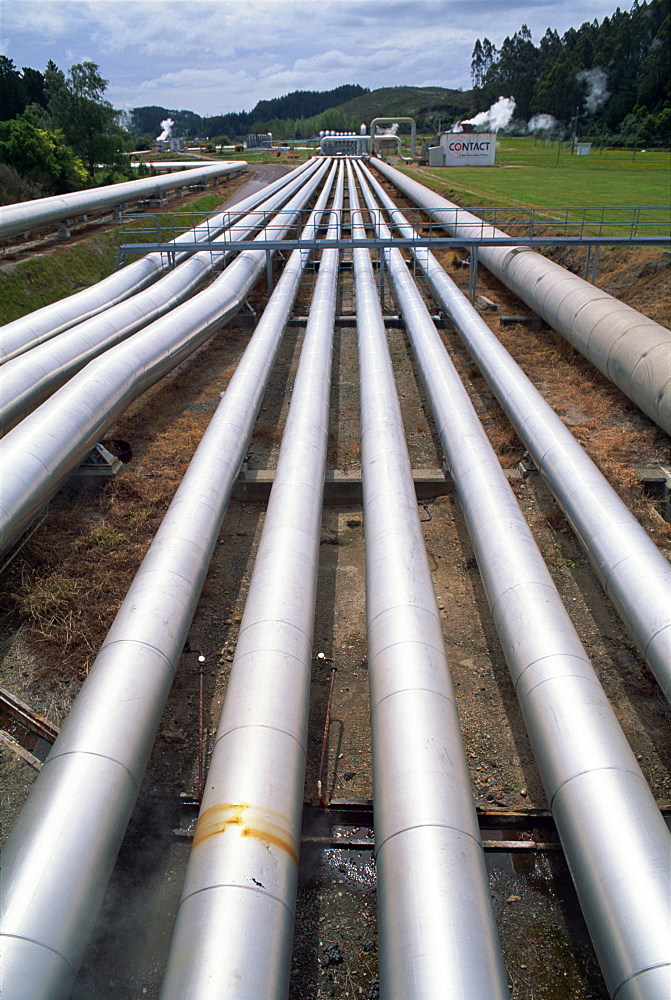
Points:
[214,56]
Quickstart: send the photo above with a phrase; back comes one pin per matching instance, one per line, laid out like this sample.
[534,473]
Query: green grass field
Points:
[539,174]
[543,175]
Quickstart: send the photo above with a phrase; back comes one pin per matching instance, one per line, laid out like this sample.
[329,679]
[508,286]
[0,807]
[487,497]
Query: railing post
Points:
[473,273]
[269,269]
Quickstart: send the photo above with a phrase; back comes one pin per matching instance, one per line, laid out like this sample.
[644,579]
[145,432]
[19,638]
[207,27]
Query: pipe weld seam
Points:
[557,677]
[261,725]
[39,944]
[428,826]
[143,645]
[652,638]
[440,649]
[547,585]
[412,690]
[234,885]
[594,770]
[641,972]
[91,753]
[281,652]
[402,607]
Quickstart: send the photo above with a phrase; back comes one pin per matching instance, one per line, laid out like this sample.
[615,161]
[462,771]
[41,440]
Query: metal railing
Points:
[590,228]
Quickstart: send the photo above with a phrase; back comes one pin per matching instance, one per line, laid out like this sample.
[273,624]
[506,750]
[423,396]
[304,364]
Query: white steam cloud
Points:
[542,123]
[497,117]
[166,125]
[597,94]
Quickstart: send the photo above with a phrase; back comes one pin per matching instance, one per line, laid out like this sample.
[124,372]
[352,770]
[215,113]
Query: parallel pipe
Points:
[26,332]
[27,380]
[234,925]
[633,571]
[437,934]
[28,215]
[43,450]
[59,857]
[616,843]
[628,348]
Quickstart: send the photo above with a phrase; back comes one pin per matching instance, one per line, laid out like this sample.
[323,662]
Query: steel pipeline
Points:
[28,215]
[616,843]
[27,380]
[40,325]
[633,571]
[58,859]
[47,445]
[628,348]
[437,934]
[234,925]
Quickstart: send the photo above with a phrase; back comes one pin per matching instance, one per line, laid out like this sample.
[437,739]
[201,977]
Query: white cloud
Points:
[225,55]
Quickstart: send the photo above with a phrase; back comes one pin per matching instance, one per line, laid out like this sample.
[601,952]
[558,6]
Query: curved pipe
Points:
[413,136]
[76,814]
[28,215]
[616,843]
[28,331]
[29,379]
[437,934]
[234,925]
[43,449]
[633,571]
[630,349]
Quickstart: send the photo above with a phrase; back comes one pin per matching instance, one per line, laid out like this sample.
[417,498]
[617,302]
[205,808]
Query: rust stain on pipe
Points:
[223,816]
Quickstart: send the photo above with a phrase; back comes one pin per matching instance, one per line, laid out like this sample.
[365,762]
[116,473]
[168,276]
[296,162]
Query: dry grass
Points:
[67,584]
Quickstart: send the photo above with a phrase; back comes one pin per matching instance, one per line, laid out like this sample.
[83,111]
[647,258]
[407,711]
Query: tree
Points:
[515,72]
[12,98]
[40,156]
[484,56]
[77,106]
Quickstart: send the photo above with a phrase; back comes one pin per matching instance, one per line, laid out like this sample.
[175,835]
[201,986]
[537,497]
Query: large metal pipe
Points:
[437,934]
[616,843]
[234,925]
[413,135]
[59,857]
[42,451]
[633,571]
[28,215]
[628,348]
[29,379]
[26,332]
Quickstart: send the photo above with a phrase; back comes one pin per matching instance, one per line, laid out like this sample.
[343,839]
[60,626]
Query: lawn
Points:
[540,174]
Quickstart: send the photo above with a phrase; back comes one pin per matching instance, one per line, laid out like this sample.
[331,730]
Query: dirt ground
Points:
[61,593]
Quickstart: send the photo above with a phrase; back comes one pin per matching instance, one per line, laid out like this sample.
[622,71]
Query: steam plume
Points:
[166,125]
[497,117]
[597,94]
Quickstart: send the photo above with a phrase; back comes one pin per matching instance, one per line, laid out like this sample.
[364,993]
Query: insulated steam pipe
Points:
[27,380]
[616,843]
[633,571]
[413,135]
[59,857]
[233,934]
[41,452]
[26,332]
[28,215]
[628,348]
[437,934]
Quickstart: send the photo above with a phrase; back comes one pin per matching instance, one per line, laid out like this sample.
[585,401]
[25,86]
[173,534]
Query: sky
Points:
[215,56]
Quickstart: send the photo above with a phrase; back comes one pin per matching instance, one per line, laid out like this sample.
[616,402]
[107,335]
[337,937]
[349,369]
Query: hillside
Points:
[416,102]
[291,115]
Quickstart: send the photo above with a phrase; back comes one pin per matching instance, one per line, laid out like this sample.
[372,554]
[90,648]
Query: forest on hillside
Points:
[607,80]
